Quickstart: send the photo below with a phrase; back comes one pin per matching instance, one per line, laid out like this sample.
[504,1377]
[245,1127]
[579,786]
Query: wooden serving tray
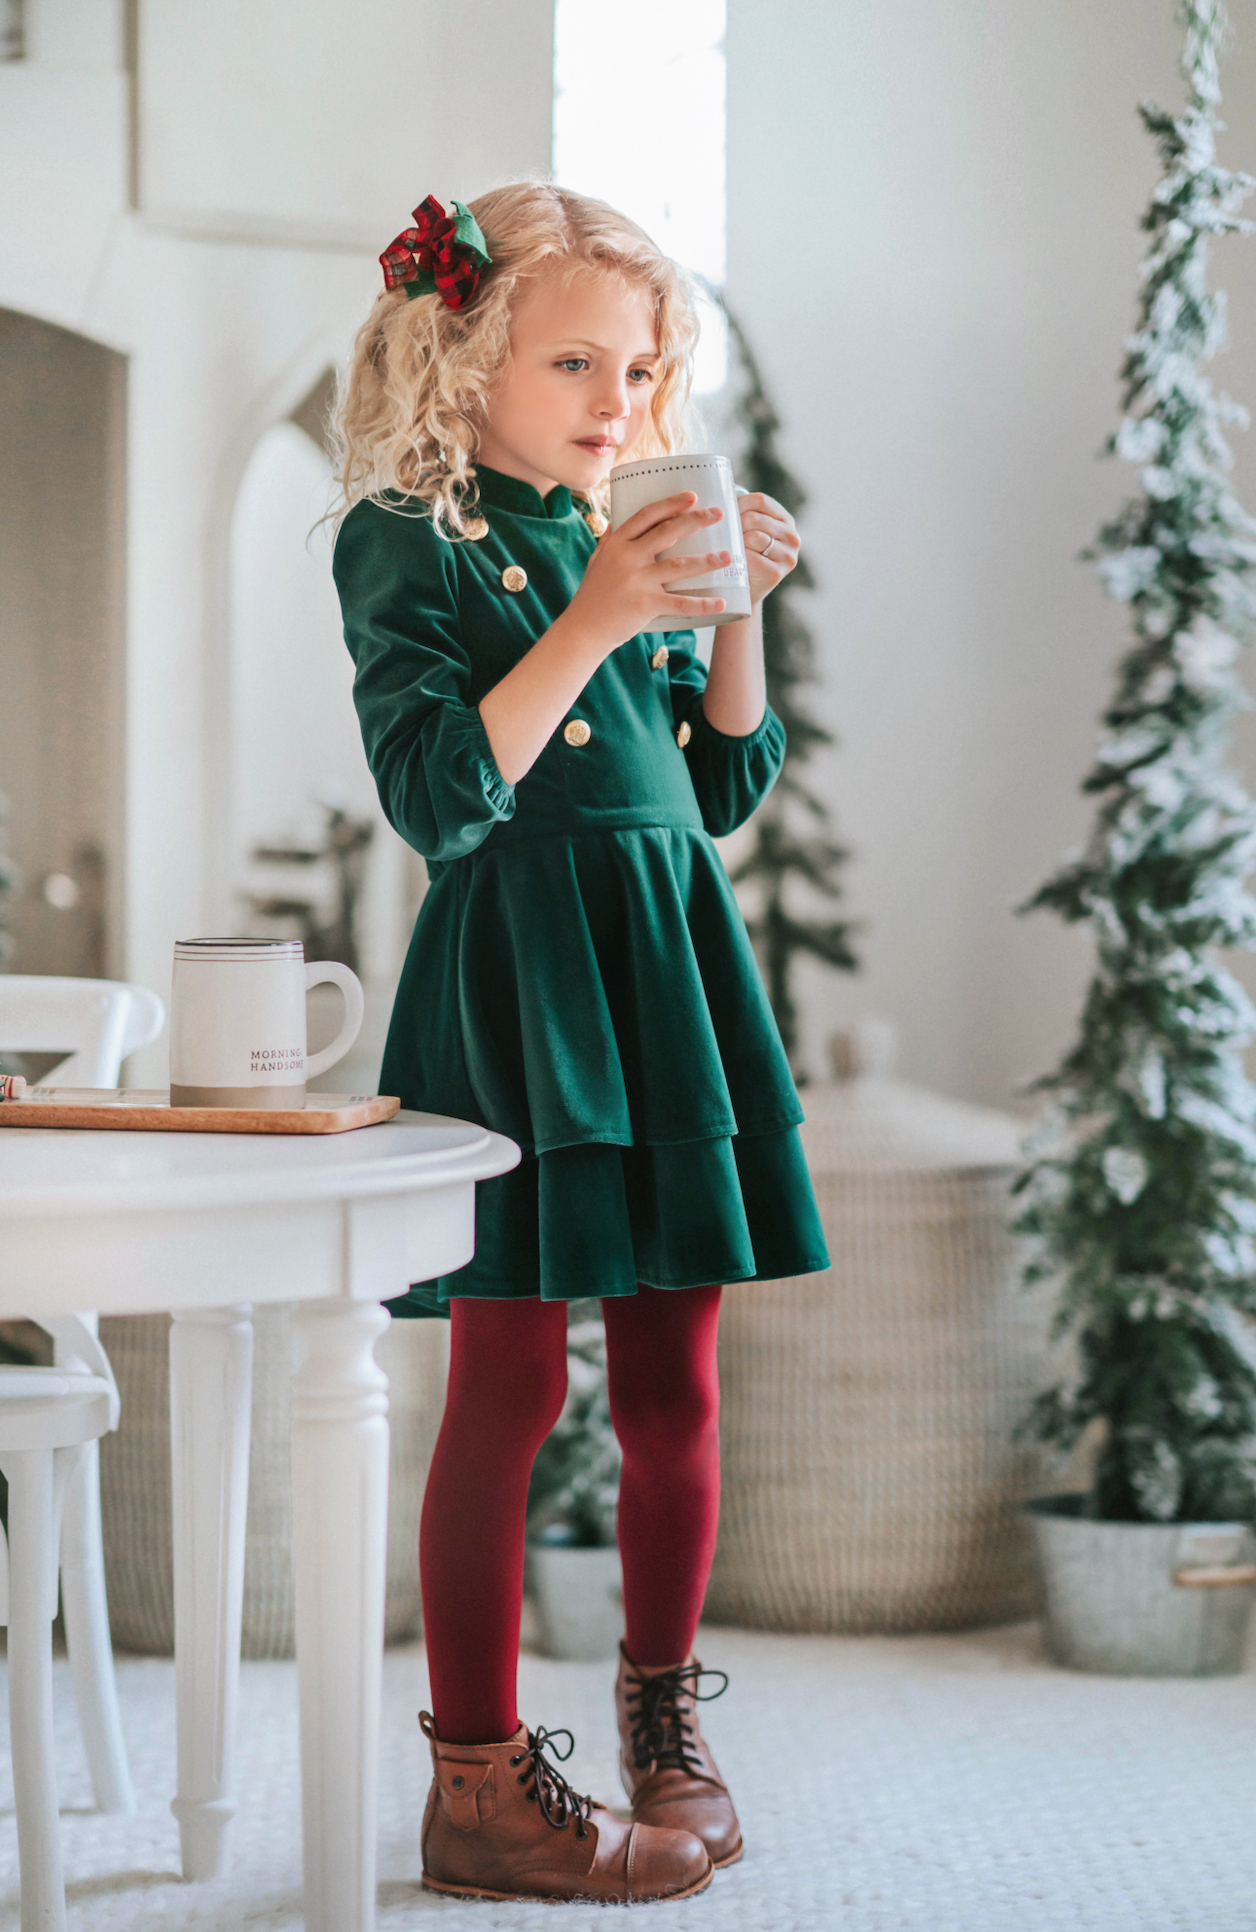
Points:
[149,1109]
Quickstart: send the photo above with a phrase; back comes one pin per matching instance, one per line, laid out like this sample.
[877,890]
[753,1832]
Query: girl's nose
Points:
[613,403]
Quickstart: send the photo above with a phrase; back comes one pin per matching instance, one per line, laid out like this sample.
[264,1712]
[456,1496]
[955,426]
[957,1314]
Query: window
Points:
[639,122]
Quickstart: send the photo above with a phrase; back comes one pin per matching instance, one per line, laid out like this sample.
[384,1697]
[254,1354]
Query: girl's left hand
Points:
[772,543]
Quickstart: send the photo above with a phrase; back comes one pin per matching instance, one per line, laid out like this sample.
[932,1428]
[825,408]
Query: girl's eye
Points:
[577,363]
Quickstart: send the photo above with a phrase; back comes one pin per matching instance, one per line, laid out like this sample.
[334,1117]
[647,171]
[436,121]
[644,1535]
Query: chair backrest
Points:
[77,1347]
[97,1022]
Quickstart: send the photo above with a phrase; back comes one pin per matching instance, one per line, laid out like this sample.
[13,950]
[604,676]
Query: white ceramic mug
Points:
[237,1022]
[633,485]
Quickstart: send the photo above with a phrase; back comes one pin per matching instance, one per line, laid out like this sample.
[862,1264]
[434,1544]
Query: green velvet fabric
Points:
[580,977]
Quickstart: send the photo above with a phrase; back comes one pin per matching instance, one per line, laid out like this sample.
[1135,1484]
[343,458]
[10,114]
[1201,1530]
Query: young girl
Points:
[580,977]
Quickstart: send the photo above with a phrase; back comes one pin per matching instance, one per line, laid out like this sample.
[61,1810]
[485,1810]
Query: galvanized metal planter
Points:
[1143,1599]
[579,1600]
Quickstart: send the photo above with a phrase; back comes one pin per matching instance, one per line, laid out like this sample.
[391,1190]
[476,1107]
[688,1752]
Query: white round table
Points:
[204,1225]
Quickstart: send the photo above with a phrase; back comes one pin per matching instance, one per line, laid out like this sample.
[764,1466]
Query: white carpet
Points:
[926,1784]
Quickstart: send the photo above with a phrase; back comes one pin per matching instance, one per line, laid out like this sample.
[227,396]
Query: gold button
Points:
[660,658]
[477,528]
[684,734]
[514,577]
[595,522]
[577,732]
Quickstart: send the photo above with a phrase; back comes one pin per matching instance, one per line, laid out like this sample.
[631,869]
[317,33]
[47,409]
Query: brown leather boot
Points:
[665,1762]
[501,1822]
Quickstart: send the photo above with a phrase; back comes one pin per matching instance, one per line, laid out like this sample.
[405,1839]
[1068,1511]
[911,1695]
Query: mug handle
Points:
[318,973]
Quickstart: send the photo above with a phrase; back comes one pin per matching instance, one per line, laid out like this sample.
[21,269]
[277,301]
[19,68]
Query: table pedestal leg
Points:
[339,1531]
[211,1372]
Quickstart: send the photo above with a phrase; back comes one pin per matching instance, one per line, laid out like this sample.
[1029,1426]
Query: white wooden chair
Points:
[96,1022]
[50,1423]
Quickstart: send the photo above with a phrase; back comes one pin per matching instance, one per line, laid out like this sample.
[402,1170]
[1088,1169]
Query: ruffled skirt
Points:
[596,1220]
[596,998]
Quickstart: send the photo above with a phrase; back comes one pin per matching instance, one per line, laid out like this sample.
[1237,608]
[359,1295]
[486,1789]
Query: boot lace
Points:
[659,1727]
[559,1803]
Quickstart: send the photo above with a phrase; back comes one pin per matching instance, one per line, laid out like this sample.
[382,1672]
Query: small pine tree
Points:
[794,853]
[1142,1202]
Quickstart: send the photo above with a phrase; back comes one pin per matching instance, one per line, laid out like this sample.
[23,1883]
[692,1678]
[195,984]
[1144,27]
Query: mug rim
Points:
[700,459]
[238,949]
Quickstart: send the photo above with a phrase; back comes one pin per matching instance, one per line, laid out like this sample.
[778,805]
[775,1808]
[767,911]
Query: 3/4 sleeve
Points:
[426,745]
[731,776]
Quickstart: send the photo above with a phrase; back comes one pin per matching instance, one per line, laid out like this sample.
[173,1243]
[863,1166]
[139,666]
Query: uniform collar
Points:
[508,493]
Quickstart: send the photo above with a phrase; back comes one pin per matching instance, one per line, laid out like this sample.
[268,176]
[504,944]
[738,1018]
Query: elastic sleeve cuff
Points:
[500,795]
[747,741]
[732,775]
[446,790]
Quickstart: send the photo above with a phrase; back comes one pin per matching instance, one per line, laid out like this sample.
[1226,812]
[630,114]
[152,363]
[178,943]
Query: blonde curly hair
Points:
[410,404]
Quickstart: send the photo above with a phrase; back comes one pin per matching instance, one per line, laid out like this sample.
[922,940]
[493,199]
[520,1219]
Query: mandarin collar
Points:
[508,493]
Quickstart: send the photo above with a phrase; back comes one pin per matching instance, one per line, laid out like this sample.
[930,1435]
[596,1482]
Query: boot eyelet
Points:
[531,1796]
[514,1761]
[457,1783]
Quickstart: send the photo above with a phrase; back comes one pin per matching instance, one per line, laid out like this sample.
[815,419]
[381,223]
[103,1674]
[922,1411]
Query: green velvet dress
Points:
[580,976]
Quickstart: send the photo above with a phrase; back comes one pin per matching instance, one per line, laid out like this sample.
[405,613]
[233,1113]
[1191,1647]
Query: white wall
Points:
[961,181]
[311,118]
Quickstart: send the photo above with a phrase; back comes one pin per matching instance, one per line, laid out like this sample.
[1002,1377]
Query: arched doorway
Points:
[62,588]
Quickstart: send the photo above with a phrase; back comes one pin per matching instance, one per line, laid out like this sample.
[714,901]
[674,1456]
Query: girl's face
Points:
[584,359]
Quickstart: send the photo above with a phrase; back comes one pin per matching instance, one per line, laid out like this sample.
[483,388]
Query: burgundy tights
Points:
[507,1380]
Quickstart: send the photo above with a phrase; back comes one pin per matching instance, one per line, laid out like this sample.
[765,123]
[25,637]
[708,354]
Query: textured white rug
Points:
[922,1784]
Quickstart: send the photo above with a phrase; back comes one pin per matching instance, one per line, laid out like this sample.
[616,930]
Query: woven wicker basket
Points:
[135,1480]
[871,1482]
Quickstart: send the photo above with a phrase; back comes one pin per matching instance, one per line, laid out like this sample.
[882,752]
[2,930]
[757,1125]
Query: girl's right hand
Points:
[623,592]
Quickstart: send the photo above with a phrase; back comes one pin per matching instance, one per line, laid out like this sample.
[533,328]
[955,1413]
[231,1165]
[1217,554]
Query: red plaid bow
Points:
[441,255]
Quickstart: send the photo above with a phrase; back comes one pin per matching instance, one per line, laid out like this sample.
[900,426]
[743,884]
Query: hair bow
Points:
[441,255]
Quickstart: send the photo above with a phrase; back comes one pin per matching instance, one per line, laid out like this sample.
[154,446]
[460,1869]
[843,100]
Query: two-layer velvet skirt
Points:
[595,997]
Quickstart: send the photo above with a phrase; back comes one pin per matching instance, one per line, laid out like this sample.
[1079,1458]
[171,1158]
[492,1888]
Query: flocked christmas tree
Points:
[795,861]
[1142,1202]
